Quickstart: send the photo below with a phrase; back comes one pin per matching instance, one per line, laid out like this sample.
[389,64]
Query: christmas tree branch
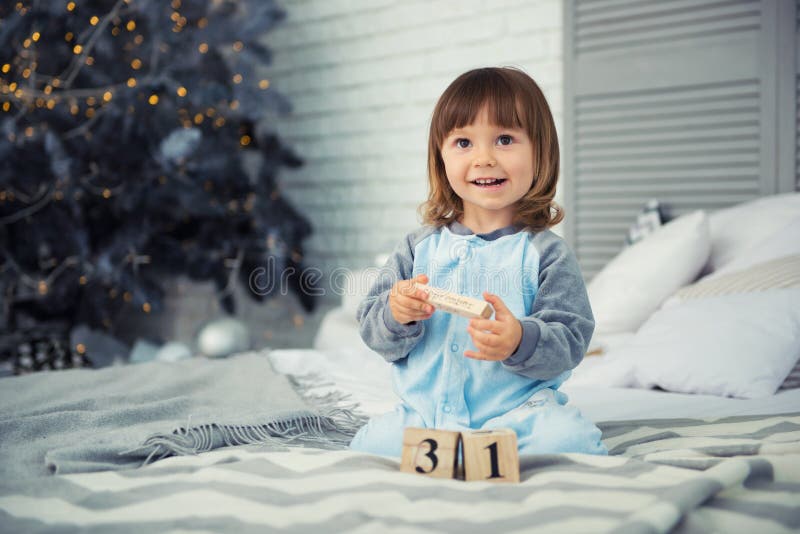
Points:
[78,62]
[30,210]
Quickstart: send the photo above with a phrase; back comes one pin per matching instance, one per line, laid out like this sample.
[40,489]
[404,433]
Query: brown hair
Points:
[514,101]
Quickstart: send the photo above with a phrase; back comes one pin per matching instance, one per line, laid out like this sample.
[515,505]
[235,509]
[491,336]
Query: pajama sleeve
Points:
[377,326]
[556,334]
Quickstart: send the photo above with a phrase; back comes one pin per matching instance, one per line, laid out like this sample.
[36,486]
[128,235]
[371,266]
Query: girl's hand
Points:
[407,303]
[504,332]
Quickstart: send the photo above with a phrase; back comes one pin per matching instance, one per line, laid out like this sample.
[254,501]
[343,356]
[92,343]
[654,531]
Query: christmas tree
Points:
[122,134]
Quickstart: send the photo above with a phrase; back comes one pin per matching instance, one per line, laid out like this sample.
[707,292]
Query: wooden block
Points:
[430,452]
[490,455]
[455,303]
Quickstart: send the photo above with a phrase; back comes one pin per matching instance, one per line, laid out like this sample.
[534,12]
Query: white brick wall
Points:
[363,77]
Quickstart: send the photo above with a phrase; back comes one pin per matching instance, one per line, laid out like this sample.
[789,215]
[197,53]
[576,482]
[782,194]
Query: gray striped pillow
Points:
[793,380]
[774,274]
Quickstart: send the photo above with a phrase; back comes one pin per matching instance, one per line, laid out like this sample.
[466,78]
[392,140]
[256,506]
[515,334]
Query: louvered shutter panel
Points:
[675,100]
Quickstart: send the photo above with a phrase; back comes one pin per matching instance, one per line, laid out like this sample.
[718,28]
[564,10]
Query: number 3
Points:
[433,445]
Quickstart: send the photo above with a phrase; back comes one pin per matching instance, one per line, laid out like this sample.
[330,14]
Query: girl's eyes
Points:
[503,140]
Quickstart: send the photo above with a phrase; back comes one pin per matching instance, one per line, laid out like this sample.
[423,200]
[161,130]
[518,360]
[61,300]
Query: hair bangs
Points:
[473,91]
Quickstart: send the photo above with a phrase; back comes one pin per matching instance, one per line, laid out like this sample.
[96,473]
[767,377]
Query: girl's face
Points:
[484,150]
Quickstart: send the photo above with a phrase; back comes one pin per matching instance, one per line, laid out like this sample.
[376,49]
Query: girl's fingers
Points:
[488,340]
[474,355]
[486,350]
[414,304]
[480,355]
[413,313]
[486,324]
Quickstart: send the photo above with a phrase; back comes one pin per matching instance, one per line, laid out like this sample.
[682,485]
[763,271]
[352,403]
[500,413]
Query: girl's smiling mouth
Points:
[489,183]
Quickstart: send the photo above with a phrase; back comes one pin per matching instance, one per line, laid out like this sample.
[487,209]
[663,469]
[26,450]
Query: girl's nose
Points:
[485,162]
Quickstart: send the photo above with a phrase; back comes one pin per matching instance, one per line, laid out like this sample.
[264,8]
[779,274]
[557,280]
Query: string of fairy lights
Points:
[25,89]
[48,91]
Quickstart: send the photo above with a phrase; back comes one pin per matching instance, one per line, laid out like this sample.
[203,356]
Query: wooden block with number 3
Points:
[430,452]
[490,455]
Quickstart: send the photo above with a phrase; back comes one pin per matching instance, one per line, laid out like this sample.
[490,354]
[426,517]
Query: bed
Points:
[700,454]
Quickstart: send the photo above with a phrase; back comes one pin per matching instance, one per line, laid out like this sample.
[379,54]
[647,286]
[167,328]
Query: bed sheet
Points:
[366,378]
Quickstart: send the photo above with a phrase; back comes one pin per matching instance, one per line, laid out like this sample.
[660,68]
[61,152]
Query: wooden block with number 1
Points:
[490,455]
[430,452]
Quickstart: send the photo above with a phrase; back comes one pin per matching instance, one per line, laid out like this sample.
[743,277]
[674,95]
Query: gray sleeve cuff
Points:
[530,338]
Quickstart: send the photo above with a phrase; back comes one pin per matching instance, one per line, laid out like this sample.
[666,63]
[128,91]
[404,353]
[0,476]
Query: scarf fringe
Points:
[333,426]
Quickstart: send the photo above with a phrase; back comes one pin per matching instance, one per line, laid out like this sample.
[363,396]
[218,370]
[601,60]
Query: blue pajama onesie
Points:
[537,276]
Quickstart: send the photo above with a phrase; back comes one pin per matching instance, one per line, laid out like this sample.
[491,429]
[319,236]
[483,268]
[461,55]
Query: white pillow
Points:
[339,329]
[740,345]
[635,283]
[782,243]
[355,284]
[734,230]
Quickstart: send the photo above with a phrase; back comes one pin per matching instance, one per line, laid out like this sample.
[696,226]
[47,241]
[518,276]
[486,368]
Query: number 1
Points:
[495,464]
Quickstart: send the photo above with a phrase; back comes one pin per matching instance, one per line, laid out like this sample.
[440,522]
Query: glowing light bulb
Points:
[153,100]
[181,91]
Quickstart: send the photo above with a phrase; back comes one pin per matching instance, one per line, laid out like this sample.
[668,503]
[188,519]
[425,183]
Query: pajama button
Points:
[446,409]
[454,347]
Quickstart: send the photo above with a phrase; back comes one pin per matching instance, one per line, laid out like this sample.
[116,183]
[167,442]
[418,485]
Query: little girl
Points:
[492,172]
